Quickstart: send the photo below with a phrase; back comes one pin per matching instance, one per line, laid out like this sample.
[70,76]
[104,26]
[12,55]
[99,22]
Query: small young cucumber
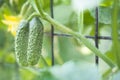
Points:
[35,41]
[21,43]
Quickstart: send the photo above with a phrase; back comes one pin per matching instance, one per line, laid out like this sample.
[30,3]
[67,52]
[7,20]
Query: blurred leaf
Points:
[68,71]
[105,14]
[2,38]
[105,45]
[16,5]
[116,76]
[26,74]
[59,2]
[75,71]
[46,75]
[72,21]
[1,2]
[111,55]
[45,4]
[88,19]
[10,58]
[6,72]
[67,2]
[67,49]
[62,13]
[106,3]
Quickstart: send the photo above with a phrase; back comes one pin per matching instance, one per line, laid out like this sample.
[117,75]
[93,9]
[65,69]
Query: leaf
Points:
[6,71]
[105,45]
[67,49]
[75,71]
[62,13]
[1,2]
[106,3]
[2,38]
[116,76]
[104,15]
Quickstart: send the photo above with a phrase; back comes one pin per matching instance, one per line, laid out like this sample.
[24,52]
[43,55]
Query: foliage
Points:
[73,61]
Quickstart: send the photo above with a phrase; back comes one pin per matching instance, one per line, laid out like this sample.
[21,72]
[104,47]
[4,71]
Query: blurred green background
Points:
[76,61]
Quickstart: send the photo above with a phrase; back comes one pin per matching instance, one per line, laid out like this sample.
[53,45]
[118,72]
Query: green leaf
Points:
[62,13]
[1,2]
[67,49]
[75,71]
[116,76]
[2,38]
[105,45]
[105,15]
[106,3]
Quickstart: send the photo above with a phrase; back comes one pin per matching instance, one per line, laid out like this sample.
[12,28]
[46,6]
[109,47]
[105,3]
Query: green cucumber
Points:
[21,42]
[35,41]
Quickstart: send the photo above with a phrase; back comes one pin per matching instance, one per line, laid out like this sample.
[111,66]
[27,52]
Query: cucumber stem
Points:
[46,64]
[24,8]
[80,21]
[64,29]
[33,15]
[115,41]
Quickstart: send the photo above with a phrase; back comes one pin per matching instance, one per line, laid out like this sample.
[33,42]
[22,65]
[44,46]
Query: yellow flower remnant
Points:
[12,22]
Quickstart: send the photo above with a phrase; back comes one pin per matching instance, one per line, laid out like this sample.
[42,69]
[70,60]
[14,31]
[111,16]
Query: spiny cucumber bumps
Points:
[35,41]
[21,42]
[28,42]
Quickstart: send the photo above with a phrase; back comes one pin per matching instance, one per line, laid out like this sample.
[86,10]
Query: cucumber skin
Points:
[21,43]
[35,41]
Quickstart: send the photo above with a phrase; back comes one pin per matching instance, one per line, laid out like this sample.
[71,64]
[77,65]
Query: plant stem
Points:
[64,29]
[46,64]
[37,2]
[34,5]
[24,8]
[28,11]
[116,44]
[80,21]
[37,6]
[33,15]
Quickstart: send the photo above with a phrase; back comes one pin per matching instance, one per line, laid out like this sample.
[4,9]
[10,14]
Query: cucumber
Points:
[21,42]
[35,41]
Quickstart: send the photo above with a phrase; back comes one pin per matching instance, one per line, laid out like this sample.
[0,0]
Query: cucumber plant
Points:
[34,50]
[37,7]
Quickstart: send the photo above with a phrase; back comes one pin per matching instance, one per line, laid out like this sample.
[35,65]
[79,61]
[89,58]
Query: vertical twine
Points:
[96,35]
[52,33]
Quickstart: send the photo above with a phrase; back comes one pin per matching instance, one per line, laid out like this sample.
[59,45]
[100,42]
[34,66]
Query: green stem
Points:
[37,6]
[64,29]
[80,22]
[95,50]
[115,31]
[46,64]
[110,71]
[24,8]
[28,11]
[33,15]
[33,3]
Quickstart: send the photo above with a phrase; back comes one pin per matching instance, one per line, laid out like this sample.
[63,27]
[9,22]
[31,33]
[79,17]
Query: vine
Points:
[36,5]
